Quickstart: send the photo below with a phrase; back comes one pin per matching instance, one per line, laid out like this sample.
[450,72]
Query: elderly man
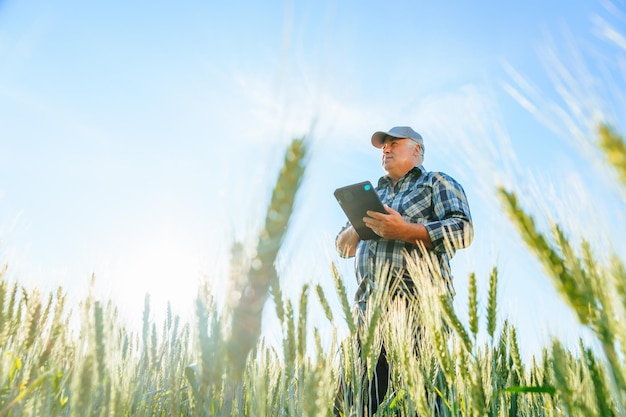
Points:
[425,211]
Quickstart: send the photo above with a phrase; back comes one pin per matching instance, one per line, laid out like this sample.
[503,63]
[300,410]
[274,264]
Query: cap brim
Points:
[379,137]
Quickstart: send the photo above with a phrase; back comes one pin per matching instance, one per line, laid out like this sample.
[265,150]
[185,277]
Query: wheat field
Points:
[81,360]
[218,365]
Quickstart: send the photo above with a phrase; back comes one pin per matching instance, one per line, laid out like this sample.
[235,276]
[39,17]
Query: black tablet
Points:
[355,200]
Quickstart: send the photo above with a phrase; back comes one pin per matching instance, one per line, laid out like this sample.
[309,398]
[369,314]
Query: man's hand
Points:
[387,226]
[393,227]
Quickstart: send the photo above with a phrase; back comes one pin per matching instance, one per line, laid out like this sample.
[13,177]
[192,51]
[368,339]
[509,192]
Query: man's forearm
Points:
[346,242]
[415,232]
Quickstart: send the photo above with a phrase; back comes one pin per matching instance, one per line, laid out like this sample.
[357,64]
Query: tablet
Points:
[355,200]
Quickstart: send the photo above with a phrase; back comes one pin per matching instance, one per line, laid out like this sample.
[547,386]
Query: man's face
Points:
[399,156]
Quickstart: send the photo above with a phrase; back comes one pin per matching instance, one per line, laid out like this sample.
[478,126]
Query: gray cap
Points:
[397,132]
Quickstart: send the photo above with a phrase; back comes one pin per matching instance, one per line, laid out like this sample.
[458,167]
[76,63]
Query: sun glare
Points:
[167,264]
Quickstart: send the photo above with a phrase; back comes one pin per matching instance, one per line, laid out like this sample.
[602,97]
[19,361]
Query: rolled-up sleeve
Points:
[453,228]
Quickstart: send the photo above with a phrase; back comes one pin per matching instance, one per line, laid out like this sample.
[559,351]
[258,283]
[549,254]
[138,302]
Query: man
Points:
[427,215]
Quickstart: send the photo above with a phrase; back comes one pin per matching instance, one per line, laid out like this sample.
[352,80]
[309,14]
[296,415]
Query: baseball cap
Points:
[397,132]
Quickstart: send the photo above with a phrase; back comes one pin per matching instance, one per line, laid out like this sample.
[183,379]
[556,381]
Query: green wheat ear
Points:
[555,265]
[493,302]
[343,298]
[325,304]
[473,305]
[614,149]
[3,293]
[34,311]
[246,313]
[600,385]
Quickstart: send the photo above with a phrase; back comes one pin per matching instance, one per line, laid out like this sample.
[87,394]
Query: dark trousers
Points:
[377,388]
[374,391]
[379,385]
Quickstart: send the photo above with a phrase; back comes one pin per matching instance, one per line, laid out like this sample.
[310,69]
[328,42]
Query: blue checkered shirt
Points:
[433,199]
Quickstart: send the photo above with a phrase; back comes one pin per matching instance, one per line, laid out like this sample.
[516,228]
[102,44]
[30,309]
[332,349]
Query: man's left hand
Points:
[387,226]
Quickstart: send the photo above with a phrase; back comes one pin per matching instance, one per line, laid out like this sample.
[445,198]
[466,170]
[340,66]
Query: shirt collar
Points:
[416,170]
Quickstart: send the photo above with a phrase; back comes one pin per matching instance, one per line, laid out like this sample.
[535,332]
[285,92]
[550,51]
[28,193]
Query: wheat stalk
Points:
[246,317]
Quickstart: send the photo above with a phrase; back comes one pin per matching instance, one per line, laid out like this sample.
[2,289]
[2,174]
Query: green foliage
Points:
[614,150]
[596,292]
[219,367]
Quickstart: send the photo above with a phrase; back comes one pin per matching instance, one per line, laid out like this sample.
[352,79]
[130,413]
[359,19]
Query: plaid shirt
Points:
[433,199]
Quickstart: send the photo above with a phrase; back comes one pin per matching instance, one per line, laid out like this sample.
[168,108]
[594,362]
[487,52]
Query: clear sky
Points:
[138,139]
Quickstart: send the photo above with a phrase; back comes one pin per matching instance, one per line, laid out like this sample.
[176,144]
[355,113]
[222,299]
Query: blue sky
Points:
[138,140]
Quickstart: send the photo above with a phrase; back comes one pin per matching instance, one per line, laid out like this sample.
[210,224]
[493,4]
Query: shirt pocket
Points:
[416,204]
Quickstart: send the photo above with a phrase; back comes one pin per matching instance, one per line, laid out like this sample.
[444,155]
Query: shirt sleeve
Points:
[452,226]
